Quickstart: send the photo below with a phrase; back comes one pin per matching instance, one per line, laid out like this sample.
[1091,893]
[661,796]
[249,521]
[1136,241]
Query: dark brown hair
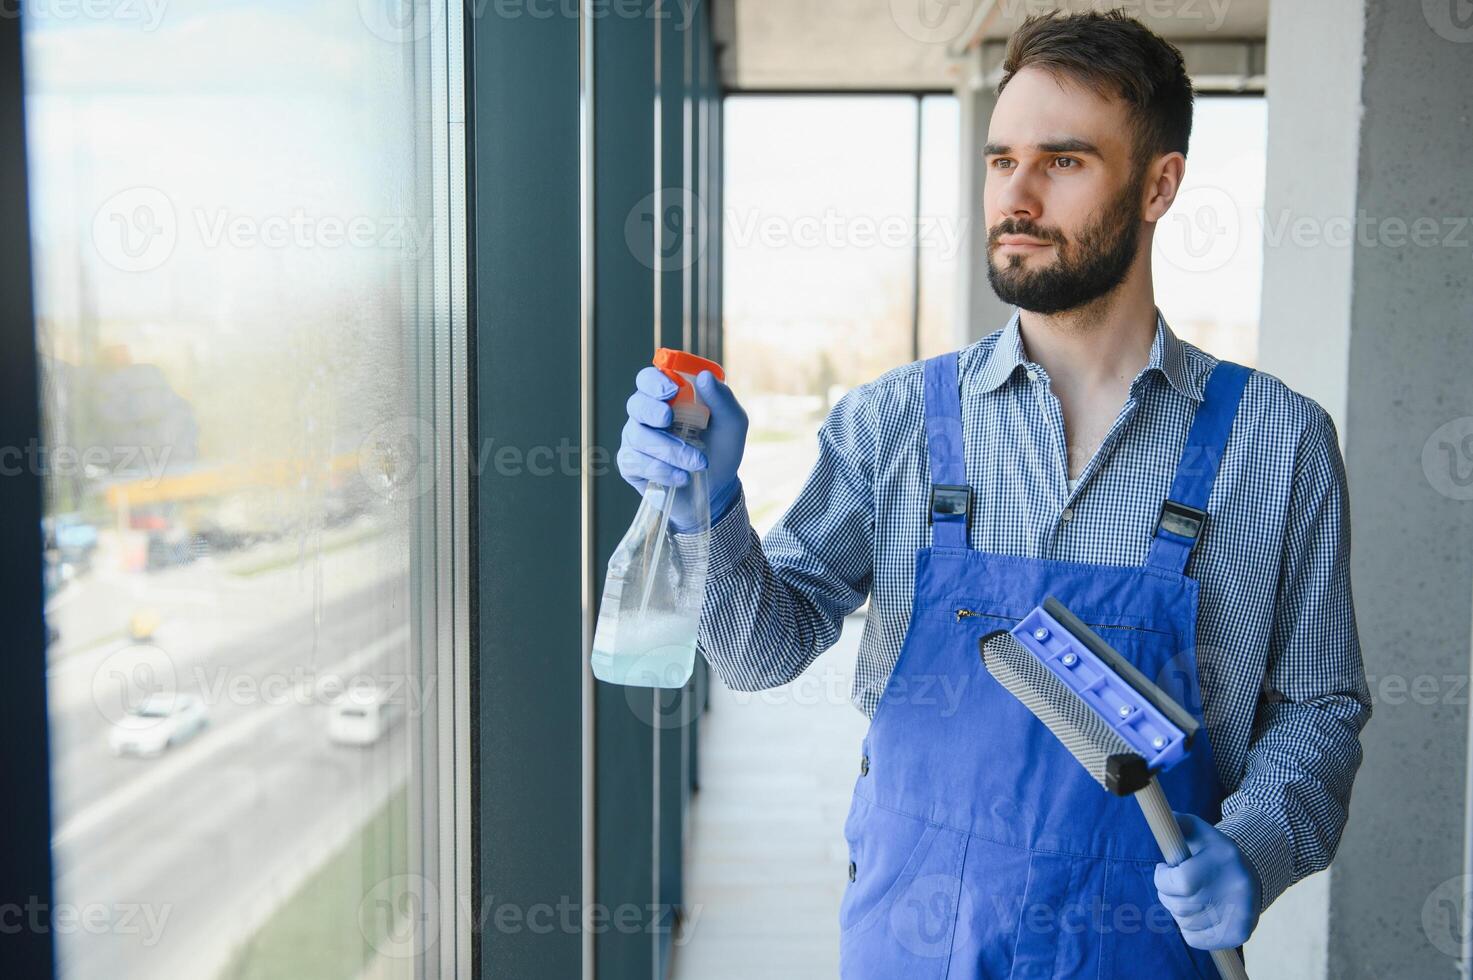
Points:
[1115,56]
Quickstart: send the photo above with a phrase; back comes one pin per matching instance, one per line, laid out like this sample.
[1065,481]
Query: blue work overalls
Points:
[978,846]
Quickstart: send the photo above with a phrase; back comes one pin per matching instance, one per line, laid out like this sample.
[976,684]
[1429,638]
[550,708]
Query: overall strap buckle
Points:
[1181,520]
[948,500]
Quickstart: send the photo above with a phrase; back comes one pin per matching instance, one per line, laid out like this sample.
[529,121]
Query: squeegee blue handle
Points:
[1148,732]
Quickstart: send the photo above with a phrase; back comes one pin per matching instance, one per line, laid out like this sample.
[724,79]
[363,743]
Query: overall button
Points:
[864,766]
[851,870]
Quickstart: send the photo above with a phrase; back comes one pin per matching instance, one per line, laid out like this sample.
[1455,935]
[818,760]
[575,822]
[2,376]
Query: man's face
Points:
[1061,198]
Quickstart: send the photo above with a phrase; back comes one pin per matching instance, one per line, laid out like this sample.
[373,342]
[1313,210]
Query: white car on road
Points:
[157,722]
[362,715]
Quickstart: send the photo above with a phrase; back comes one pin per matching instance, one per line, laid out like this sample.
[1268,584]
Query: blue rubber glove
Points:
[1214,894]
[651,453]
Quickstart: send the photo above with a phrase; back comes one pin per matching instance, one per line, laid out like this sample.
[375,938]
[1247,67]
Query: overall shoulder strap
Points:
[951,498]
[1184,512]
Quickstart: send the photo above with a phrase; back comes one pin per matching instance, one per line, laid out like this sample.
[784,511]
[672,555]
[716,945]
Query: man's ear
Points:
[1163,182]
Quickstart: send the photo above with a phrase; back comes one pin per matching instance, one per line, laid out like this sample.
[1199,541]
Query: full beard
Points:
[1082,271]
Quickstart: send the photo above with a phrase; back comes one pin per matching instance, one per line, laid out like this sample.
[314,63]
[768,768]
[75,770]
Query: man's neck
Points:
[1104,344]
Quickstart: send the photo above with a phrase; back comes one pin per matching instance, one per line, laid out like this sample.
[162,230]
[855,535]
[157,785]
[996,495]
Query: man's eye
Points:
[1001,164]
[1069,160]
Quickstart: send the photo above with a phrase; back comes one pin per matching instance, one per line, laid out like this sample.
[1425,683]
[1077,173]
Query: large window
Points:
[245,235]
[840,244]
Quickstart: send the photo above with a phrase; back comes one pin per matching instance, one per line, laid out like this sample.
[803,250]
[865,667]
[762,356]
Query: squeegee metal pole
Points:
[1162,823]
[1174,849]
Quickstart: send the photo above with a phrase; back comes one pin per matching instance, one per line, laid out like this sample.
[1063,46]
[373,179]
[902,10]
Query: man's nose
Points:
[1018,198]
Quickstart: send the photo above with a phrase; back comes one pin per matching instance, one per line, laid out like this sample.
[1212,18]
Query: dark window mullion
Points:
[25,869]
[623,331]
[526,278]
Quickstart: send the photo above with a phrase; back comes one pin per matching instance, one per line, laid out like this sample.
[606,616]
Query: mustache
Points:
[1010,227]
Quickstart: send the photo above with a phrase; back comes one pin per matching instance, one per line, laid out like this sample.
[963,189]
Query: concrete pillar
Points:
[1368,308]
[979,311]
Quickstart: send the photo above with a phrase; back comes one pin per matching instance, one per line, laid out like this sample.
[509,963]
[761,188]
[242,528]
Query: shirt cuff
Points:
[1266,846]
[731,538]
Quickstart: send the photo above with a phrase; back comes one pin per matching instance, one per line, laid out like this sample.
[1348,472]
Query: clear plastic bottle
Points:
[651,608]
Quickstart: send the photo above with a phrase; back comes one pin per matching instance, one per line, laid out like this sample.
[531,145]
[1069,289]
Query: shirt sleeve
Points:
[773,605]
[1290,808]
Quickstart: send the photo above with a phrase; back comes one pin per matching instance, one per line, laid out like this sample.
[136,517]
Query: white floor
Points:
[767,863]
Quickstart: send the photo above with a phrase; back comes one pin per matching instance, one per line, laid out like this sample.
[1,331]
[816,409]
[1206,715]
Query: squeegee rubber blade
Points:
[1087,737]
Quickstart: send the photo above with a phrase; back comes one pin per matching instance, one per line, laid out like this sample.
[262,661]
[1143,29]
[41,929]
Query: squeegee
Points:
[1122,728]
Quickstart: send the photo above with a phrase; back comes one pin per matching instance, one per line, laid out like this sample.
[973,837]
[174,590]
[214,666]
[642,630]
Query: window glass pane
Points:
[819,218]
[940,230]
[1208,252]
[232,221]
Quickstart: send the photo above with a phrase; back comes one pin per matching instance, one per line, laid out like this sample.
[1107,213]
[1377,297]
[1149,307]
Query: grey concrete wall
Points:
[1410,381]
[1377,324]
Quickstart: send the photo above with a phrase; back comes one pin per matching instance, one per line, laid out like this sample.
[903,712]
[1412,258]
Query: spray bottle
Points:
[651,609]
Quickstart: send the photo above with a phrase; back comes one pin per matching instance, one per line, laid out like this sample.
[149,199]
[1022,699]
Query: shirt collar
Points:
[1168,356]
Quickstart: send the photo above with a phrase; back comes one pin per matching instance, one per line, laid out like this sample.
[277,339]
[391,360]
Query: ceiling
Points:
[910,45]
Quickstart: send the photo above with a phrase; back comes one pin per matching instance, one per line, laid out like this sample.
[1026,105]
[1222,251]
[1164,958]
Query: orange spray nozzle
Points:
[682,367]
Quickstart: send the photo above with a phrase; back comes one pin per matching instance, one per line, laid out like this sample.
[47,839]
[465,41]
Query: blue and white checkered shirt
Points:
[1284,692]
